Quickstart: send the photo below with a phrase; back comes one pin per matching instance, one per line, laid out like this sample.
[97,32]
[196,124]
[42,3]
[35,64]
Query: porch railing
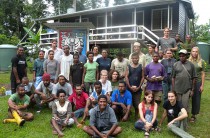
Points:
[121,33]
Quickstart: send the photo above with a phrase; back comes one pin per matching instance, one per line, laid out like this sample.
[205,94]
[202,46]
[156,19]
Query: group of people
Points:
[105,90]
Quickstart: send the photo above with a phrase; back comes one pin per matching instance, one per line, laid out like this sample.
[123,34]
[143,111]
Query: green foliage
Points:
[199,33]
[5,40]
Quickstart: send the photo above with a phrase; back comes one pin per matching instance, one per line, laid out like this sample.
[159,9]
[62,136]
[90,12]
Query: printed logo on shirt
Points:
[21,62]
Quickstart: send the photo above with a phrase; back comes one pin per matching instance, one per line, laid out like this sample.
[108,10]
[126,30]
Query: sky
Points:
[202,8]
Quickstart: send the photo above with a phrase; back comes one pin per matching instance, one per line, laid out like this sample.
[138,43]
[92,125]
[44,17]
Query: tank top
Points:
[62,109]
[144,109]
[135,75]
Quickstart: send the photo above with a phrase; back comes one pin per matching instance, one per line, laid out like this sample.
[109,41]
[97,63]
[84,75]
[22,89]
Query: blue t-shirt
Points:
[125,99]
[95,96]
[104,63]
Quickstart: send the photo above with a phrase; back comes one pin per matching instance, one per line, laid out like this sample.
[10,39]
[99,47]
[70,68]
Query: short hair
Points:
[96,46]
[50,51]
[135,54]
[20,47]
[20,85]
[25,78]
[54,40]
[122,81]
[60,91]
[76,55]
[174,92]
[102,96]
[104,71]
[120,54]
[156,53]
[41,51]
[77,85]
[98,83]
[152,45]
[89,52]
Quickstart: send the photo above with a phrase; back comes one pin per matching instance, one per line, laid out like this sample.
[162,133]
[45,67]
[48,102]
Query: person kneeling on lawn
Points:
[121,101]
[17,103]
[175,113]
[103,122]
[62,114]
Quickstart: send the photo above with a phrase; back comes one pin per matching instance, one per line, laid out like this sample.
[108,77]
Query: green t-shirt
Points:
[16,99]
[199,70]
[91,68]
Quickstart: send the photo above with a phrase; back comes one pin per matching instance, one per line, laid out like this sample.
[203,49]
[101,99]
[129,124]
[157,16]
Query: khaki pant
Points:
[184,99]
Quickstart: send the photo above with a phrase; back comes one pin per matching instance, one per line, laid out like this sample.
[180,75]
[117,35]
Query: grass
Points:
[40,127]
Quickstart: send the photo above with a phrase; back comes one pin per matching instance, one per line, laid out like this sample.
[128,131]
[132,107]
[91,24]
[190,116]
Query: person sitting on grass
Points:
[43,93]
[148,114]
[121,101]
[93,99]
[175,113]
[78,100]
[29,88]
[18,102]
[62,114]
[103,122]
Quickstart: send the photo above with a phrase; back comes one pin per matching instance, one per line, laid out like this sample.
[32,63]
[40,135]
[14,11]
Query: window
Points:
[160,19]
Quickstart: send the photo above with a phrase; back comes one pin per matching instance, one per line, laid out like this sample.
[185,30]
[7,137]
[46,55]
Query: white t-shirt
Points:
[120,66]
[67,88]
[96,57]
[65,63]
[44,89]
[106,86]
[57,54]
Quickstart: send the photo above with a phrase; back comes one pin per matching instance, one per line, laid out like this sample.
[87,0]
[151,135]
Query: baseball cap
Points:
[183,51]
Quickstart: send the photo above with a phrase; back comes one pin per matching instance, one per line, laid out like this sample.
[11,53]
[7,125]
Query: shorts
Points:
[157,95]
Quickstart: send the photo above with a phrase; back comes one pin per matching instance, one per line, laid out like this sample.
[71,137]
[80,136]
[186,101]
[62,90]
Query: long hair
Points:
[148,92]
[198,60]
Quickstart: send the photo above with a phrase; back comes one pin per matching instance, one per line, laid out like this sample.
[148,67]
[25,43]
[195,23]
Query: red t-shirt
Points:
[79,101]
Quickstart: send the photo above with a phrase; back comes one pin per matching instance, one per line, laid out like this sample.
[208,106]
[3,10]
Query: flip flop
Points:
[192,119]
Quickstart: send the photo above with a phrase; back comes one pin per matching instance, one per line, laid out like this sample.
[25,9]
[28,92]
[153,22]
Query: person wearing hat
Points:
[62,84]
[120,64]
[43,93]
[82,58]
[183,79]
[137,49]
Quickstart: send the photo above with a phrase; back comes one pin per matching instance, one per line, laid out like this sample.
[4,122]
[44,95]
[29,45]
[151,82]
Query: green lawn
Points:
[41,128]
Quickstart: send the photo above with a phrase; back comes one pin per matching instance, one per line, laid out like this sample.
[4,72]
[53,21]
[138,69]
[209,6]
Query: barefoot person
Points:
[62,113]
[148,114]
[18,102]
[175,113]
[103,122]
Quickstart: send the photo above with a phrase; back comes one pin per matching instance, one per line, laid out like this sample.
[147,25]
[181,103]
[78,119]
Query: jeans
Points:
[79,112]
[166,88]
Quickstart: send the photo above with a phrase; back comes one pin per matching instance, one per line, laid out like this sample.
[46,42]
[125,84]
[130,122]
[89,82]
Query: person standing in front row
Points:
[198,62]
[19,69]
[134,79]
[66,61]
[38,69]
[155,74]
[183,79]
[90,73]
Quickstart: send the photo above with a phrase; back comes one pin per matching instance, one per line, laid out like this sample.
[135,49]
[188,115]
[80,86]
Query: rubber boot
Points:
[9,121]
[18,119]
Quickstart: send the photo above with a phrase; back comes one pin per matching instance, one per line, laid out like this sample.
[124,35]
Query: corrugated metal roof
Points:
[62,25]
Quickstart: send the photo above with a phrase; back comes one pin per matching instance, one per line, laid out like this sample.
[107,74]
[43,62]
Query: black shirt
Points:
[104,63]
[172,111]
[20,63]
[76,72]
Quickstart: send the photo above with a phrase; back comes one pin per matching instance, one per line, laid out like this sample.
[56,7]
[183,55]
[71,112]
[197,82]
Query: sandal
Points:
[192,119]
[158,129]
[146,133]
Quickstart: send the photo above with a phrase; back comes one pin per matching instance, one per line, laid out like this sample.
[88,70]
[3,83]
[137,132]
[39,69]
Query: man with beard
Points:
[62,84]
[18,69]
[43,93]
[103,122]
[18,102]
[122,101]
